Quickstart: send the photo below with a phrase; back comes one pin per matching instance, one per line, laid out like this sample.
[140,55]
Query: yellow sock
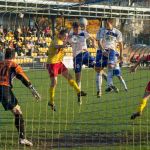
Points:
[142,105]
[52,93]
[74,85]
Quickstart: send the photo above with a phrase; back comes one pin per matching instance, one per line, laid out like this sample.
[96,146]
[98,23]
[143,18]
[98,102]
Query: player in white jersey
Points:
[81,56]
[107,55]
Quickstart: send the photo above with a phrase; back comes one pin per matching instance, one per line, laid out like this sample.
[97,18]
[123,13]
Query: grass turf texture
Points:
[96,124]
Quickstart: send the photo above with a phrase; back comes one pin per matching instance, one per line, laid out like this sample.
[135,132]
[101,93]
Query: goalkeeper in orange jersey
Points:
[8,71]
[55,66]
[146,96]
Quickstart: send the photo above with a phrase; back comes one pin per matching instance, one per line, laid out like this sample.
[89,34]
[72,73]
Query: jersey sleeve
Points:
[87,35]
[22,76]
[100,34]
[119,37]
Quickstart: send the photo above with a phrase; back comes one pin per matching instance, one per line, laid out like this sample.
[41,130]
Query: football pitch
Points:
[99,123]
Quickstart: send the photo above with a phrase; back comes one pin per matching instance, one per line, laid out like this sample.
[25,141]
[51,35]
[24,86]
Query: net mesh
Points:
[99,123]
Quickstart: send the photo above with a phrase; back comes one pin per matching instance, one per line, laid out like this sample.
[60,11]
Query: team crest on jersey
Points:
[75,39]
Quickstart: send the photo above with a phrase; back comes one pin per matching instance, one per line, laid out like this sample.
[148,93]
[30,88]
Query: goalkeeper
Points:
[8,70]
[146,95]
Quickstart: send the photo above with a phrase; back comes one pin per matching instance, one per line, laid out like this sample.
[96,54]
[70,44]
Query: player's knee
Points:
[17,110]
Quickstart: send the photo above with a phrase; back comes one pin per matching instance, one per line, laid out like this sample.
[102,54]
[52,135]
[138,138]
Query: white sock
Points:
[99,81]
[123,82]
[110,77]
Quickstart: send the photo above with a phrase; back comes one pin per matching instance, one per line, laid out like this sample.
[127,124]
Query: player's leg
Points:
[101,62]
[123,82]
[78,78]
[19,123]
[104,75]
[99,74]
[88,60]
[10,102]
[143,102]
[112,59]
[52,92]
[117,72]
[73,83]
[77,63]
[53,72]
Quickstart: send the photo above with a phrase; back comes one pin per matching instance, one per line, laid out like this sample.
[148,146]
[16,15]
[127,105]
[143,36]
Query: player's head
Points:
[83,22]
[75,27]
[63,34]
[109,22]
[9,53]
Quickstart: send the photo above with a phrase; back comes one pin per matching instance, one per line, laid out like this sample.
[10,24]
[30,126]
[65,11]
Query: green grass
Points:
[96,124]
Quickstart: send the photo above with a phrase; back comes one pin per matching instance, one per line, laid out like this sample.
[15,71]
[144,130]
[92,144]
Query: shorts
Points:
[116,72]
[55,69]
[102,61]
[83,58]
[7,98]
[148,87]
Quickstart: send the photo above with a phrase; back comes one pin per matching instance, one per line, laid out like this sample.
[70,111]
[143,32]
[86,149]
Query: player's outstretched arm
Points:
[134,68]
[35,92]
[24,79]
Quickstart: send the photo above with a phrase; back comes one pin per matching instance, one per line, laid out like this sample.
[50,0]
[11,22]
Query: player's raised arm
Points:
[24,79]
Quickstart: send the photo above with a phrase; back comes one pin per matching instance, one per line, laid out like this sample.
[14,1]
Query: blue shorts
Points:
[117,72]
[102,61]
[83,58]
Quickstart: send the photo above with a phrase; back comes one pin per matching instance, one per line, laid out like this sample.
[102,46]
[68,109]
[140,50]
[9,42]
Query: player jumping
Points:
[107,55]
[55,66]
[81,56]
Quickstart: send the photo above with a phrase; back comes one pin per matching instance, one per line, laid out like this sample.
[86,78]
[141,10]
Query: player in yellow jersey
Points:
[146,95]
[55,66]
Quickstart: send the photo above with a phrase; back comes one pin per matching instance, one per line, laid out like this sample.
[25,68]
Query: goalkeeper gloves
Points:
[34,92]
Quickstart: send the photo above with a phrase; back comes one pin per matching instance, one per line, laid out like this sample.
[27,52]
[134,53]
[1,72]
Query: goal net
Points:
[115,119]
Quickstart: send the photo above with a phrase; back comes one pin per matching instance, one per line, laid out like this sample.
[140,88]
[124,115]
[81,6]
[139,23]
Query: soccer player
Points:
[81,56]
[107,56]
[100,73]
[8,71]
[55,66]
[146,95]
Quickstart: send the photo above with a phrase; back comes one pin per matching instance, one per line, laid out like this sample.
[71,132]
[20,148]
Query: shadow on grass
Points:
[73,140]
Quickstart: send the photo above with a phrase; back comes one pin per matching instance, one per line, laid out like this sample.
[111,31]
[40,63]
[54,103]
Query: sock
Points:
[109,77]
[74,85]
[123,82]
[19,123]
[99,82]
[142,105]
[52,94]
